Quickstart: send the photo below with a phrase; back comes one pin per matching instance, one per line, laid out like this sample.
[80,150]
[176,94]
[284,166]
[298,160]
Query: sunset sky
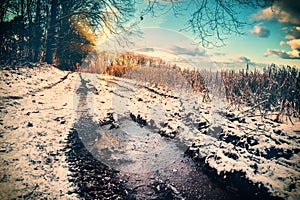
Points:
[272,36]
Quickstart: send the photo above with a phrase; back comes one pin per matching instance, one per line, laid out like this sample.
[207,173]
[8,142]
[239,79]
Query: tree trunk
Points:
[50,41]
[37,32]
[22,32]
[31,32]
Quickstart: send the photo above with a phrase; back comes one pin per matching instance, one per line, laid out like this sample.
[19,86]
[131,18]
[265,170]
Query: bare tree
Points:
[211,21]
[58,29]
[62,27]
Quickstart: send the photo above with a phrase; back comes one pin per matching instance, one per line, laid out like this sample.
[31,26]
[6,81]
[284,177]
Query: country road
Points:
[155,167]
[88,136]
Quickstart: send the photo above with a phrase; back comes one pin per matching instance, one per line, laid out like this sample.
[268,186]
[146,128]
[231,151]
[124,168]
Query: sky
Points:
[272,35]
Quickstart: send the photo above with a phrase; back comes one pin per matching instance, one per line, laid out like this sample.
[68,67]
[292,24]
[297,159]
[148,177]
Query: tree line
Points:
[60,32]
[63,32]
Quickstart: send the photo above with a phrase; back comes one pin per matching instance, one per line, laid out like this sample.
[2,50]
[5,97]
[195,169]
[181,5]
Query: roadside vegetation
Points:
[273,91]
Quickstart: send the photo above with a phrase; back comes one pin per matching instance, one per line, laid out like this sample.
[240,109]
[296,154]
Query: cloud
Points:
[260,31]
[294,44]
[287,11]
[244,59]
[219,54]
[185,51]
[265,14]
[292,9]
[147,50]
[294,54]
[282,43]
[293,33]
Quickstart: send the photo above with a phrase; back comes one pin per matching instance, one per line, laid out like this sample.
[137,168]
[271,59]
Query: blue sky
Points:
[273,35]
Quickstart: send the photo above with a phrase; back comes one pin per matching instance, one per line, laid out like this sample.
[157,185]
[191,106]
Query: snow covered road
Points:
[59,130]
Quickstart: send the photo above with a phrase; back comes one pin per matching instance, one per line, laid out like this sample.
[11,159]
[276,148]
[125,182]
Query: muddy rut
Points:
[124,159]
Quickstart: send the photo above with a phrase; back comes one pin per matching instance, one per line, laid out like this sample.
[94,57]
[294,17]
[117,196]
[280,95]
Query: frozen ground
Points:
[140,129]
[35,120]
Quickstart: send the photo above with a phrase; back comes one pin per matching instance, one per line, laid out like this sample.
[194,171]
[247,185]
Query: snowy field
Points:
[36,115]
[41,104]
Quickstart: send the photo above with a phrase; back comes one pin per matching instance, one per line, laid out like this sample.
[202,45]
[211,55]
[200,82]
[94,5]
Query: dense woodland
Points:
[60,32]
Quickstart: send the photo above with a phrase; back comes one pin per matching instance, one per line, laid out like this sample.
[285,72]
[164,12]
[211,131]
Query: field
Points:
[155,131]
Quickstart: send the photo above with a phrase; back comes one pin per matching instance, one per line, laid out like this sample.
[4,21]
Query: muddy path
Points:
[123,152]
[87,136]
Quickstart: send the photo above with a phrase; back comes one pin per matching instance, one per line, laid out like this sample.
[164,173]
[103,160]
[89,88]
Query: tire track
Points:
[180,178]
